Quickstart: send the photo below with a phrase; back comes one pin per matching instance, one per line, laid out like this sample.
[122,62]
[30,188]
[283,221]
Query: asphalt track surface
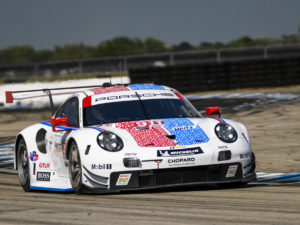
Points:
[252,204]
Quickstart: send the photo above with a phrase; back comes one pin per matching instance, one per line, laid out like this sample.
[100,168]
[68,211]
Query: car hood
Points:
[162,132]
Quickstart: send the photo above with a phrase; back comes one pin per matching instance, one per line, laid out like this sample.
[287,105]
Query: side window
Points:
[61,112]
[70,110]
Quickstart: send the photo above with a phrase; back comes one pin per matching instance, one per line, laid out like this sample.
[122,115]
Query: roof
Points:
[131,87]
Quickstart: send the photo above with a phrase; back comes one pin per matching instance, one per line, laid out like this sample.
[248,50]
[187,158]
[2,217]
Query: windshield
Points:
[133,110]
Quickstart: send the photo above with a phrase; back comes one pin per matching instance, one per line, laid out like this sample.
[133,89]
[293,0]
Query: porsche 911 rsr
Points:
[128,137]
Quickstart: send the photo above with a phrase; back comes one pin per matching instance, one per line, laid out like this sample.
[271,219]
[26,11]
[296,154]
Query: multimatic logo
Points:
[145,95]
[101,166]
[181,152]
[43,176]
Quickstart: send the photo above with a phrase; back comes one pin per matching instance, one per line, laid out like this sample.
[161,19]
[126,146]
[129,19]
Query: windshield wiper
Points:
[143,107]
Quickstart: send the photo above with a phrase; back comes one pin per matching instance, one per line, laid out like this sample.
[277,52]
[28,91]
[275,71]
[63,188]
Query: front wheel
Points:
[23,166]
[236,184]
[75,171]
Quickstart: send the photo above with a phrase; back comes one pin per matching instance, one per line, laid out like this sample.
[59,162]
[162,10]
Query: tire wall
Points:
[223,76]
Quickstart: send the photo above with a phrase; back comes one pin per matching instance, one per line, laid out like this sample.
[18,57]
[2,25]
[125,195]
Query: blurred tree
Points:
[153,45]
[244,41]
[74,51]
[183,46]
[290,39]
[210,46]
[16,54]
[42,56]
[119,46]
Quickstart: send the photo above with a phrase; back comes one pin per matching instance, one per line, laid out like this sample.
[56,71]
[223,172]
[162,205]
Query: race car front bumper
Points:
[184,176]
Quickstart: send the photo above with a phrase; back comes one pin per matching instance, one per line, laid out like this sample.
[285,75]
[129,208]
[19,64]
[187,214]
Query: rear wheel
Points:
[23,166]
[75,170]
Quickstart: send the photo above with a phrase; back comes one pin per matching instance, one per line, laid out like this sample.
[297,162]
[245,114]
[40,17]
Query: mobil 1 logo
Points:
[101,166]
[43,176]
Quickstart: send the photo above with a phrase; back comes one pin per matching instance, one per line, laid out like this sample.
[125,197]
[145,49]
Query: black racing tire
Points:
[235,184]
[75,169]
[23,165]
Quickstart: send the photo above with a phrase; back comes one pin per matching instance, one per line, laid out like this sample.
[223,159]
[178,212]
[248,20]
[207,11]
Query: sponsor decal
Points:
[44,165]
[184,128]
[123,179]
[101,166]
[133,96]
[178,147]
[181,152]
[231,171]
[157,161]
[57,145]
[181,161]
[245,155]
[33,156]
[223,148]
[148,123]
[130,154]
[43,176]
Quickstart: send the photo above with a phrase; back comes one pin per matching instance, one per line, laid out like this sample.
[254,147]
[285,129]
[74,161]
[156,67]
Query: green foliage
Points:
[122,46]
[16,54]
[153,45]
[183,46]
[74,51]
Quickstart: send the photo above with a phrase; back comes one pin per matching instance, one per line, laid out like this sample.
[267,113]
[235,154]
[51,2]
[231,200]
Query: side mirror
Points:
[59,122]
[213,111]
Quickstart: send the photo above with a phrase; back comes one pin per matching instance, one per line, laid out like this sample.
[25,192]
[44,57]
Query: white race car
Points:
[128,137]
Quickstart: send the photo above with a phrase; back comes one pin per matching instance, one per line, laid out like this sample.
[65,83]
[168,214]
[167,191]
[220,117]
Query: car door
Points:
[70,110]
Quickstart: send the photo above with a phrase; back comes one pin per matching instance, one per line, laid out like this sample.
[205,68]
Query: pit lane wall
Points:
[268,72]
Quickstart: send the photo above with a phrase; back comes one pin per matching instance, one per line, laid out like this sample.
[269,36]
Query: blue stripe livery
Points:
[223,121]
[186,133]
[281,179]
[145,87]
[63,128]
[50,189]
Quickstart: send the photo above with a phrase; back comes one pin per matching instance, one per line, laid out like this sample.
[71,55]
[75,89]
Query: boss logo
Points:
[43,176]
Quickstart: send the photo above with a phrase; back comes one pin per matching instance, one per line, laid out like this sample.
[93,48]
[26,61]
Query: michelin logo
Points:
[181,152]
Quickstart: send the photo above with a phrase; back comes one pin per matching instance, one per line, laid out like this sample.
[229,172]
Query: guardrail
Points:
[12,73]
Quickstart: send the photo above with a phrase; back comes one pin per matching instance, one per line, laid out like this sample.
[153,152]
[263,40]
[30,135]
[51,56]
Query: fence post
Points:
[265,52]
[171,59]
[218,55]
[125,64]
[36,71]
[80,67]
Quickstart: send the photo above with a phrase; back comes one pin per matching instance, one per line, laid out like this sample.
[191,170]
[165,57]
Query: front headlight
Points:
[110,141]
[226,132]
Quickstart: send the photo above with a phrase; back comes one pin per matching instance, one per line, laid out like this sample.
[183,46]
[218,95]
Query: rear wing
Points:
[11,96]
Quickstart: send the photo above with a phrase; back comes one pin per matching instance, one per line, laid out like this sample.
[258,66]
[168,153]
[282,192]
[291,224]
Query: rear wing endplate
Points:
[37,93]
